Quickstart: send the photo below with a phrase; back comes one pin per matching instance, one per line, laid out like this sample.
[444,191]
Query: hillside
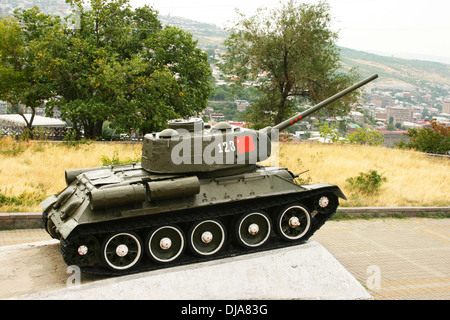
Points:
[393,72]
[196,27]
[209,36]
[397,69]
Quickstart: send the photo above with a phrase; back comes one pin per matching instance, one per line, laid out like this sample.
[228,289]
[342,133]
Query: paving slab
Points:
[305,271]
[393,259]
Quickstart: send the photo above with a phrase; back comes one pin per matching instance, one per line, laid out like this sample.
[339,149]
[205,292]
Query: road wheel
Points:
[165,244]
[293,222]
[121,251]
[253,229]
[207,237]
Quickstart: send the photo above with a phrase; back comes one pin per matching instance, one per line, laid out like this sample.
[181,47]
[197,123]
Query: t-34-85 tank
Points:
[198,194]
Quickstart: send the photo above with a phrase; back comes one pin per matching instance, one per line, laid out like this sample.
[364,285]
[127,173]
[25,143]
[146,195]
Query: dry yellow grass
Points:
[413,179]
[38,171]
[34,170]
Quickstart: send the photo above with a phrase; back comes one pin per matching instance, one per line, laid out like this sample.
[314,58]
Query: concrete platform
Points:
[306,271]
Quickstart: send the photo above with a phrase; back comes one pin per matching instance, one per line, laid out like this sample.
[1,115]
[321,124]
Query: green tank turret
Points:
[198,194]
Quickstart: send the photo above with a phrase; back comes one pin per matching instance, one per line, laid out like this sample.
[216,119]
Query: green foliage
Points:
[232,93]
[10,147]
[294,46]
[24,199]
[303,180]
[367,183]
[70,139]
[329,132]
[118,62]
[433,138]
[365,136]
[40,133]
[18,80]
[115,159]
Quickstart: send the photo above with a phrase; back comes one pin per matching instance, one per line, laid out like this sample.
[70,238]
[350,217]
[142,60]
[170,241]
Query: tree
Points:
[18,84]
[295,47]
[121,64]
[330,133]
[365,136]
[432,138]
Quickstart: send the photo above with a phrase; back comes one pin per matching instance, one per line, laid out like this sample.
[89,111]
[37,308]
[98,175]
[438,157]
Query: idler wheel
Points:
[121,251]
[253,229]
[326,203]
[293,223]
[165,244]
[207,237]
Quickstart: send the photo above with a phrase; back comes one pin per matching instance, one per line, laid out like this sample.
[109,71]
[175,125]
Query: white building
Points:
[38,121]
[357,117]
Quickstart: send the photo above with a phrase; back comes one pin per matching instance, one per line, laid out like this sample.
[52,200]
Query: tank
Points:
[198,194]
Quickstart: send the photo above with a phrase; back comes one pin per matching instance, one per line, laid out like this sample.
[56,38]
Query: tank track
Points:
[226,214]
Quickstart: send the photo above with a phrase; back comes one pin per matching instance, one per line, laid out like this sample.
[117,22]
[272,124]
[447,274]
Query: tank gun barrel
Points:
[283,125]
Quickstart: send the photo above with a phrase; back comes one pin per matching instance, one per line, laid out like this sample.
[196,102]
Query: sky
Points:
[402,28]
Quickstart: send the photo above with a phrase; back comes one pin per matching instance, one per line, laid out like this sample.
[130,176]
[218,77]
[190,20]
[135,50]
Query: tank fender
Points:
[340,194]
[73,173]
[333,188]
[48,202]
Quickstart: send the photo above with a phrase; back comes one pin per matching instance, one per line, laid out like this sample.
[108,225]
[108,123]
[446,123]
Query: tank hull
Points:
[106,209]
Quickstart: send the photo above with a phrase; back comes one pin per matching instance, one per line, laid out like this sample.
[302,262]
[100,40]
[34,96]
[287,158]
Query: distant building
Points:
[377,102]
[408,125]
[357,117]
[242,105]
[446,106]
[380,114]
[49,128]
[3,107]
[442,120]
[39,121]
[208,110]
[400,114]
[352,127]
[381,101]
[391,138]
[217,117]
[54,7]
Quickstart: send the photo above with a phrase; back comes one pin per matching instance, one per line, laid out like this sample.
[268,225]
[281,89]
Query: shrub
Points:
[11,147]
[70,139]
[432,138]
[115,159]
[24,199]
[367,183]
[365,136]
